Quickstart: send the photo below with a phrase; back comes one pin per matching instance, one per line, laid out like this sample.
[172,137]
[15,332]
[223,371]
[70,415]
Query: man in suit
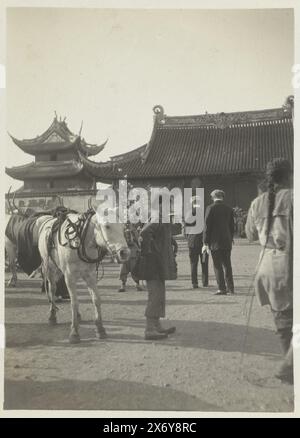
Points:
[218,238]
[195,244]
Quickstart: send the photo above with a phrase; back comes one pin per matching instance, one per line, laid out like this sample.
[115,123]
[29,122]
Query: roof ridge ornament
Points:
[159,113]
[289,101]
[223,120]
[159,118]
[288,105]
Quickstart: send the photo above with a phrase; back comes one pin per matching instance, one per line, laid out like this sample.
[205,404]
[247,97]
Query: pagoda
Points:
[57,168]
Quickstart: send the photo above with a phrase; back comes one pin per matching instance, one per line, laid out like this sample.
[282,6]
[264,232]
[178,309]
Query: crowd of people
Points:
[215,239]
[269,221]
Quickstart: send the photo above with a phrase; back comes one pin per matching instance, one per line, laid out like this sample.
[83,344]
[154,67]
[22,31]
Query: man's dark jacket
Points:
[219,226]
[195,241]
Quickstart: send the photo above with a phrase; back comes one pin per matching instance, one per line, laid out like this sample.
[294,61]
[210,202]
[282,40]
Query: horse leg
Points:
[74,337]
[91,282]
[12,282]
[51,290]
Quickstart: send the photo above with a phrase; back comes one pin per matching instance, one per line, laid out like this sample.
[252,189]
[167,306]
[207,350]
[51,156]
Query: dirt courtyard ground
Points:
[196,369]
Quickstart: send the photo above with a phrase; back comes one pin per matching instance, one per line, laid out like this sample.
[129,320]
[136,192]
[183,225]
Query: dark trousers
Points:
[156,304]
[127,268]
[223,269]
[195,254]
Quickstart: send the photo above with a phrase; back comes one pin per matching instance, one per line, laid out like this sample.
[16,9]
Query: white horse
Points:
[74,252]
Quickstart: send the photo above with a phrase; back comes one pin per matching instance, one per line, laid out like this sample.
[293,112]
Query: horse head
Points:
[109,232]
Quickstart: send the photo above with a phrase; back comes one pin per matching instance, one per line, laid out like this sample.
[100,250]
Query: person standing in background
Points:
[195,244]
[218,238]
[132,239]
[270,220]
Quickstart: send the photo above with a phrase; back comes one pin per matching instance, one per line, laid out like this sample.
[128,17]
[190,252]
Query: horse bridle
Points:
[113,252]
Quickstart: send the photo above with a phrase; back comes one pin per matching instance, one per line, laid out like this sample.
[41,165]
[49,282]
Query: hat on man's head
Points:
[218,194]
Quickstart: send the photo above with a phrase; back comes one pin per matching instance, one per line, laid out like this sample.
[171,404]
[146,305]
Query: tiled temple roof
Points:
[201,145]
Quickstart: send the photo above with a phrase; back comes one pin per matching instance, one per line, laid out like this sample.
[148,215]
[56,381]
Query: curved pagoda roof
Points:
[46,169]
[202,145]
[57,138]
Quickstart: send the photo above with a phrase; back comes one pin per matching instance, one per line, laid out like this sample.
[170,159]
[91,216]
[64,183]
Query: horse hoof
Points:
[74,338]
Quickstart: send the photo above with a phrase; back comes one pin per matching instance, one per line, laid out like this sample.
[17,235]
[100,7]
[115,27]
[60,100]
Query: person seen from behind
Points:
[195,245]
[218,238]
[270,220]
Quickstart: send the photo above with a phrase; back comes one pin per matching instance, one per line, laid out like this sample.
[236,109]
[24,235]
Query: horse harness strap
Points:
[82,231]
[75,236]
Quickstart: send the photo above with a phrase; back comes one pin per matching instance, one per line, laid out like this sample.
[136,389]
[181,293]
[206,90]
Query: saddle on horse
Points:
[22,232]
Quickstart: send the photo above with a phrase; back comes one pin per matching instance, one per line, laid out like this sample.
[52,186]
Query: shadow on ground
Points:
[211,335]
[105,394]
[207,335]
[119,299]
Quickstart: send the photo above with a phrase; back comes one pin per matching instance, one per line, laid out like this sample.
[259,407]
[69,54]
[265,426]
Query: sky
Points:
[108,68]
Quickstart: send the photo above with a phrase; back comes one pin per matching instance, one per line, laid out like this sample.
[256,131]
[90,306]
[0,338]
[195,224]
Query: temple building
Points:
[57,169]
[224,150]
